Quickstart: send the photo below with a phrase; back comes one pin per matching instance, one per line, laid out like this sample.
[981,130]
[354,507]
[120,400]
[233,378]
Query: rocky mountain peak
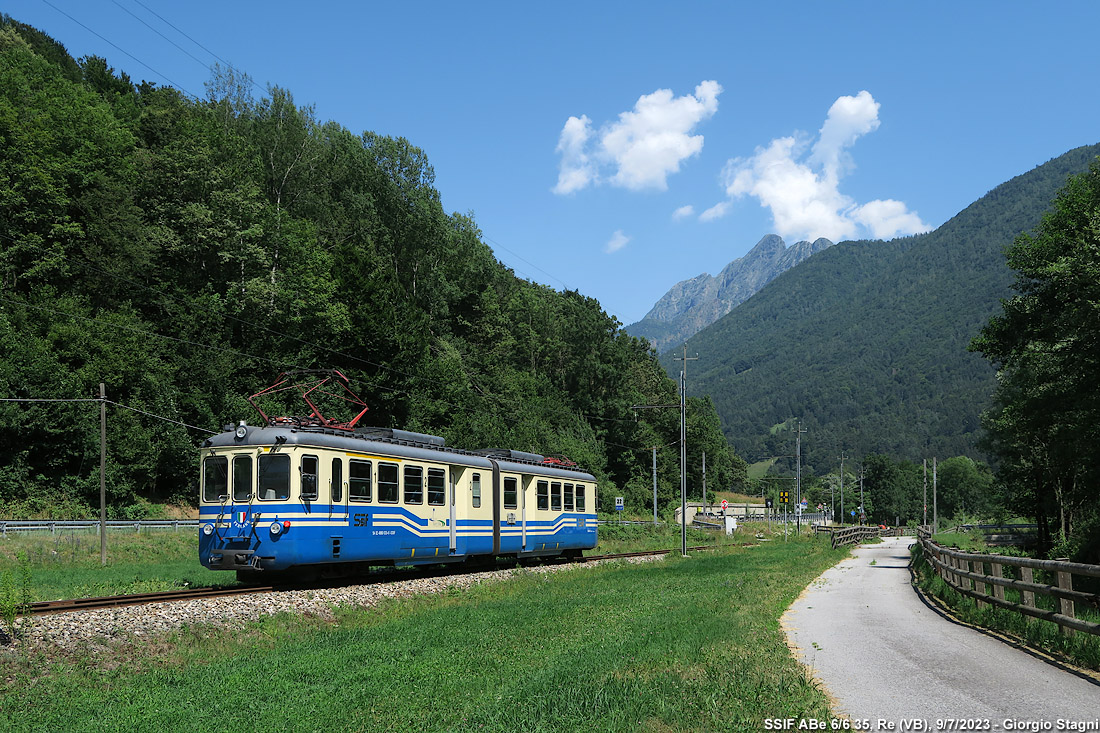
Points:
[691,305]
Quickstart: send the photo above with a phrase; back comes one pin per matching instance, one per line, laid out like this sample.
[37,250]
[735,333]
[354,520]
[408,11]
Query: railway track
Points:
[40,608]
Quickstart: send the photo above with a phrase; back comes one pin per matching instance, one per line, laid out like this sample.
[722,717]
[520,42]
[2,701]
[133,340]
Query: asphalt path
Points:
[885,657]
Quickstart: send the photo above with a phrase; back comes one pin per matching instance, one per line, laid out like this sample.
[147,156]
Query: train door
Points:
[495,489]
[242,494]
[511,528]
[527,482]
[454,478]
[338,492]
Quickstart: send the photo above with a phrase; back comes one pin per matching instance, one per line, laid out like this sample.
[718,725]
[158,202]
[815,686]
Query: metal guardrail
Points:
[965,573]
[53,526]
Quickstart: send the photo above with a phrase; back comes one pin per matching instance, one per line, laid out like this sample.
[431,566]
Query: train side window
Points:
[336,483]
[475,489]
[242,478]
[580,497]
[215,478]
[555,497]
[387,483]
[309,478]
[359,480]
[509,493]
[543,495]
[569,497]
[275,477]
[437,486]
[414,485]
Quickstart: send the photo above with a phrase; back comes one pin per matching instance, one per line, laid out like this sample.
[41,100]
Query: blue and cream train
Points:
[305,501]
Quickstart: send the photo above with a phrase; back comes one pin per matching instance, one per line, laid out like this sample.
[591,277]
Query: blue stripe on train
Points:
[375,534]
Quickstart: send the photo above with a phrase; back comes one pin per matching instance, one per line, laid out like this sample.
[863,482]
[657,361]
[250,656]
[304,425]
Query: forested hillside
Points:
[186,251]
[866,342]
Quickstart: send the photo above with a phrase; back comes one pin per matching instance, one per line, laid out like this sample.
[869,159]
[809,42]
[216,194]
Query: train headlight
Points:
[242,430]
[276,527]
[208,529]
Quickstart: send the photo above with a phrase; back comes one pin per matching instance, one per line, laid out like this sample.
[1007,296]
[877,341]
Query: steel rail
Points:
[40,608]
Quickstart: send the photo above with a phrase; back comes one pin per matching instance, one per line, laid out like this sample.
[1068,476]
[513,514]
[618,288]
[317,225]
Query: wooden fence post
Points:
[997,572]
[1065,582]
[979,587]
[1028,576]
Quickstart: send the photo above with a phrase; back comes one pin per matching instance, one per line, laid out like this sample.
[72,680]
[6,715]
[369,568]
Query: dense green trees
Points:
[1046,344]
[185,251]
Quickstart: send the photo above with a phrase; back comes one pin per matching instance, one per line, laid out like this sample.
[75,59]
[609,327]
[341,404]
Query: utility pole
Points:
[654,486]
[654,407]
[832,502]
[862,511]
[102,473]
[925,522]
[704,483]
[935,508]
[798,477]
[843,455]
[683,450]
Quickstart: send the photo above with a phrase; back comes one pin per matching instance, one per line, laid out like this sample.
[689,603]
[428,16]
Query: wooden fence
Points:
[965,572]
[853,535]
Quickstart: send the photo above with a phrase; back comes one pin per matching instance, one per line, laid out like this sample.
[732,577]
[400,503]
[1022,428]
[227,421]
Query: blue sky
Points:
[620,147]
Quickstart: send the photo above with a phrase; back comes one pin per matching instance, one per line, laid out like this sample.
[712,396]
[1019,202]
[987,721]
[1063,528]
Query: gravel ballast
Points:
[91,628]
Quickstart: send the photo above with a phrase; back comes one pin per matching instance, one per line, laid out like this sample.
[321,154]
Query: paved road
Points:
[881,653]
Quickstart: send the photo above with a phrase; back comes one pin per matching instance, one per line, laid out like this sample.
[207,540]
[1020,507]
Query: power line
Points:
[160,417]
[204,48]
[564,284]
[109,402]
[140,20]
[176,29]
[122,50]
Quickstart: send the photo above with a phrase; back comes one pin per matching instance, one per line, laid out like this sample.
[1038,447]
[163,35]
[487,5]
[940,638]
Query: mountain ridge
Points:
[691,305]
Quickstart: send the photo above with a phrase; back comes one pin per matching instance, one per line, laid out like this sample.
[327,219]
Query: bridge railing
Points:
[965,572]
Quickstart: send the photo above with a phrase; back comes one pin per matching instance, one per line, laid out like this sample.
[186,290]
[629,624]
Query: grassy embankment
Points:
[678,644]
[1080,648]
[67,565]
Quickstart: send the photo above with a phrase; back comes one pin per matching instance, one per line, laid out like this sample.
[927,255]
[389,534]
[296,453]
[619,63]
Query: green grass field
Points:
[67,565]
[676,645]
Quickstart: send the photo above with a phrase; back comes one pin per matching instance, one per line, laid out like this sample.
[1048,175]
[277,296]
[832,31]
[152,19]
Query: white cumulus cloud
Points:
[717,211]
[576,170]
[642,147]
[618,241]
[798,179]
[683,212]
